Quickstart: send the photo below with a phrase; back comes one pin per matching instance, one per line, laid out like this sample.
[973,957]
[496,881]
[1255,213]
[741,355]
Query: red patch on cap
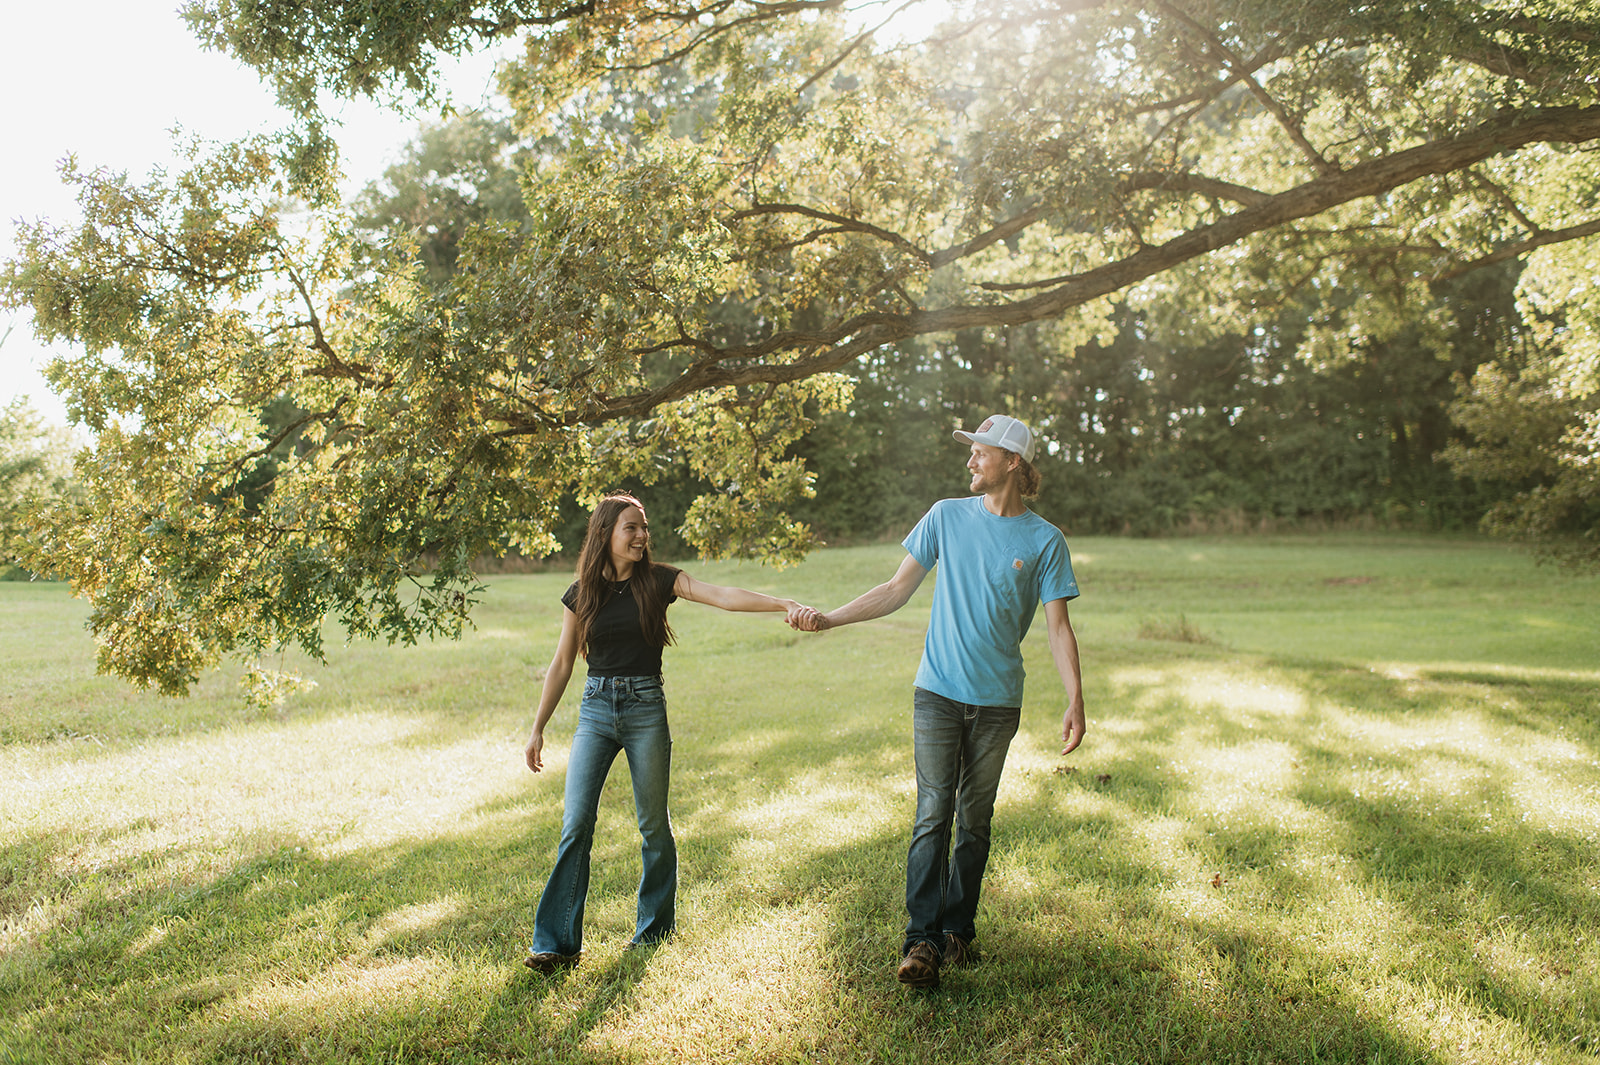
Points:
[984,428]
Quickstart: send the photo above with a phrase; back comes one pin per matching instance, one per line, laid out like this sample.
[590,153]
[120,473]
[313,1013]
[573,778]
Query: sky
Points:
[107,80]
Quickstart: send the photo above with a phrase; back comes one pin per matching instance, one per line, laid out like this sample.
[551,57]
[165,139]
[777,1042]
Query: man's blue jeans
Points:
[627,714]
[960,751]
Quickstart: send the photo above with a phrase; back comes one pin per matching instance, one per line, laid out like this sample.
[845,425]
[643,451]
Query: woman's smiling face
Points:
[630,536]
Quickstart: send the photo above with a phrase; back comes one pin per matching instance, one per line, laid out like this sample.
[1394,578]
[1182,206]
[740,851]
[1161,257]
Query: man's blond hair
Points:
[1027,478]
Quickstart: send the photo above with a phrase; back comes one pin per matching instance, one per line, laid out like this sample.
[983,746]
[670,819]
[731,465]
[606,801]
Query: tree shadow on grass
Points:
[1065,975]
[1549,703]
[1459,899]
[26,874]
[289,956]
[300,952]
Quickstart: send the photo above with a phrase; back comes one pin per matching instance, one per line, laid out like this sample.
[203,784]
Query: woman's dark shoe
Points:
[549,961]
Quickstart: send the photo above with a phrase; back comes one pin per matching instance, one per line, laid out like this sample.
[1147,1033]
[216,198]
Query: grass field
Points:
[1339,802]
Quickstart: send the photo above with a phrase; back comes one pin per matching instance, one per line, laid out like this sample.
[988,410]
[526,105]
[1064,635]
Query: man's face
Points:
[990,467]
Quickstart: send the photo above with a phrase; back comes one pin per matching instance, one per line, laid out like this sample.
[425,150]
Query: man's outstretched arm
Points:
[886,598]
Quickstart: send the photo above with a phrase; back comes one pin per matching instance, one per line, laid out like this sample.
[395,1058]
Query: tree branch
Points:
[1540,239]
[336,367]
[1520,64]
[1240,70]
[289,430]
[1004,231]
[1508,131]
[840,221]
[763,13]
[1179,181]
[844,53]
[838,346]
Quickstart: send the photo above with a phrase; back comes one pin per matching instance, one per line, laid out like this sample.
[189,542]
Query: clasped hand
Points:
[806,619]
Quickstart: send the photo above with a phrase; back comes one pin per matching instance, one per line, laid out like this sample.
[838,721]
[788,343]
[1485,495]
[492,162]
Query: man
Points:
[997,561]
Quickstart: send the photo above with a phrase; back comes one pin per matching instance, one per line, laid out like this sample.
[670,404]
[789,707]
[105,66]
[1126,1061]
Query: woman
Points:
[616,617]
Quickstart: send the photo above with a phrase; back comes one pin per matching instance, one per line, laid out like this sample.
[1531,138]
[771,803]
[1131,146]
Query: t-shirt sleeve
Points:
[1056,579]
[569,598]
[922,543]
[666,579]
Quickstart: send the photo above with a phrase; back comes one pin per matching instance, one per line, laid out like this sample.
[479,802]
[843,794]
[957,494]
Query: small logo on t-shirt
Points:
[1016,563]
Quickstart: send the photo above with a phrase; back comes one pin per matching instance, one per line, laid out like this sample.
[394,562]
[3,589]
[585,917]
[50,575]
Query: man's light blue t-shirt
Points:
[993,574]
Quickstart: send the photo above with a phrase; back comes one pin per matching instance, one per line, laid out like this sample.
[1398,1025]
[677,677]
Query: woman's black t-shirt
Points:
[617,647]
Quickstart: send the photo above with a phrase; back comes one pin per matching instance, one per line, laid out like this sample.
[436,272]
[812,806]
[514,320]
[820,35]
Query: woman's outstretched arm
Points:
[728,597]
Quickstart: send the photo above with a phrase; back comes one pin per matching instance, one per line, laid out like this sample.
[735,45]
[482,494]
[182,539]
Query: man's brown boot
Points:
[920,966]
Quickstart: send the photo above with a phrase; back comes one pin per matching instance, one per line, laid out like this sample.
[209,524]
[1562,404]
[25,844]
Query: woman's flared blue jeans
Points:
[960,750]
[627,714]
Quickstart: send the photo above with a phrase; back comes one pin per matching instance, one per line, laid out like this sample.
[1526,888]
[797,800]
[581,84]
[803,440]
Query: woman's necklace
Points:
[620,587]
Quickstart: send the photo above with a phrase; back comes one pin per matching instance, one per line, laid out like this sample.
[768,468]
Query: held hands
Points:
[806,619]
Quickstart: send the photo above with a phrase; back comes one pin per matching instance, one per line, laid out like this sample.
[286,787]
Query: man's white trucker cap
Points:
[1002,431]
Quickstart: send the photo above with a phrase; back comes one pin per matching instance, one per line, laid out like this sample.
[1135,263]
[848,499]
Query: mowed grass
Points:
[1339,802]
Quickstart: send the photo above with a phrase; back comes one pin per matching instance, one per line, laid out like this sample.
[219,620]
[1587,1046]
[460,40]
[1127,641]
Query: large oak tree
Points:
[749,196]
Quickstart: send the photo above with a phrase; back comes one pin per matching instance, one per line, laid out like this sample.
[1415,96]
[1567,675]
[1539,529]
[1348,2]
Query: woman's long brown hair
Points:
[595,579]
